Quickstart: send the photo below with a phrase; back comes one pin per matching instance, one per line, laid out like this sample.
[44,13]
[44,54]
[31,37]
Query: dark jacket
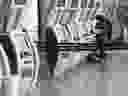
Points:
[104,25]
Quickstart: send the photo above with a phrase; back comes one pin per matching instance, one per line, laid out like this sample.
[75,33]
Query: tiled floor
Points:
[79,81]
[88,79]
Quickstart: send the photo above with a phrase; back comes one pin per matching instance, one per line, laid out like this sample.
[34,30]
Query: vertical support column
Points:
[5,14]
[68,3]
[42,20]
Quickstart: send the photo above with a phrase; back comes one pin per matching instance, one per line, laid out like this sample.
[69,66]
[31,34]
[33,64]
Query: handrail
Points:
[4,65]
[35,59]
[108,45]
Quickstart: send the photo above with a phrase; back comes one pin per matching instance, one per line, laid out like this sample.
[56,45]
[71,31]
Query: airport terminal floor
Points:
[94,79]
[76,72]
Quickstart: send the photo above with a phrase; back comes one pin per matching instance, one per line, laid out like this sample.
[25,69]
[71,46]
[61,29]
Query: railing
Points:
[108,46]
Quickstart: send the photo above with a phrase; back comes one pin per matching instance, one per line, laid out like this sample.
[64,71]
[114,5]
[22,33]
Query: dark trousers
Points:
[100,46]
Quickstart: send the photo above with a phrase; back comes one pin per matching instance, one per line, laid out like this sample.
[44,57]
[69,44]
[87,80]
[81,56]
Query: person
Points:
[103,29]
[51,49]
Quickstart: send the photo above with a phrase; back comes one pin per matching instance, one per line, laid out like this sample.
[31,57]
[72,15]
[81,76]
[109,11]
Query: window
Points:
[60,3]
[84,3]
[90,3]
[20,2]
[74,3]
